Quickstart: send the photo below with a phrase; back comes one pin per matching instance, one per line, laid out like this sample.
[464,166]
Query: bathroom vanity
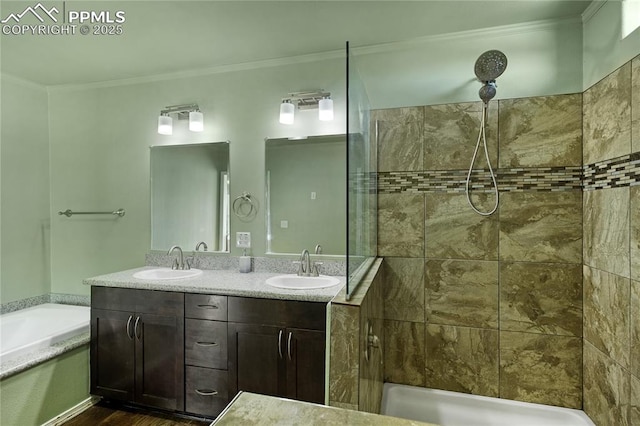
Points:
[191,345]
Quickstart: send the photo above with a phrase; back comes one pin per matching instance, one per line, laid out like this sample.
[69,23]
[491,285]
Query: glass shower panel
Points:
[362,162]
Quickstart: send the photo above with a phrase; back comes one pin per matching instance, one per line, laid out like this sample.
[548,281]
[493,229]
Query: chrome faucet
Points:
[179,262]
[202,243]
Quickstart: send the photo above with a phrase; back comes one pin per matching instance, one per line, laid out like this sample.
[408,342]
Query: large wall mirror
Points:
[190,196]
[306,194]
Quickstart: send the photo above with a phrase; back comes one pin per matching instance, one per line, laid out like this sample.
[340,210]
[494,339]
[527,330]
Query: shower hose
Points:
[482,137]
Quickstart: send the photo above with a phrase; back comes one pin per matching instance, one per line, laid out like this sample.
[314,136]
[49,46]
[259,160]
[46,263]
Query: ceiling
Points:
[161,37]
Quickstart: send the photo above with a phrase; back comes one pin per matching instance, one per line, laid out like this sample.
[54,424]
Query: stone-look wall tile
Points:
[462,359]
[606,230]
[606,389]
[344,354]
[454,231]
[607,117]
[634,402]
[400,138]
[401,225]
[606,313]
[541,132]
[541,298]
[462,292]
[541,226]
[451,132]
[404,353]
[404,289]
[634,353]
[635,105]
[634,237]
[541,368]
[371,370]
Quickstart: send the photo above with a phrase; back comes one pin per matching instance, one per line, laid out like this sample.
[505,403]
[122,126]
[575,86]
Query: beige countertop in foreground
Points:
[253,409]
[222,282]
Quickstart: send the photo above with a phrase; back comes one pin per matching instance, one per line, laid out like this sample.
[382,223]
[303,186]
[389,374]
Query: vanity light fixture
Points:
[311,99]
[287,112]
[325,109]
[184,112]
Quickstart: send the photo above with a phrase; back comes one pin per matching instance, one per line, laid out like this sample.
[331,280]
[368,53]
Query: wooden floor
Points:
[103,414]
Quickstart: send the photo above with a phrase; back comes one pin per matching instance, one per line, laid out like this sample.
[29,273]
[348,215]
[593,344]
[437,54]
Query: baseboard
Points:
[72,412]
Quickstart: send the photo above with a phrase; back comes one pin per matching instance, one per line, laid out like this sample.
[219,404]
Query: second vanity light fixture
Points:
[186,111]
[306,100]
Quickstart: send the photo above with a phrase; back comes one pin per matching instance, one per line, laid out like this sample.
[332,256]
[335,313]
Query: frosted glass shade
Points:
[287,110]
[196,121]
[165,125]
[325,109]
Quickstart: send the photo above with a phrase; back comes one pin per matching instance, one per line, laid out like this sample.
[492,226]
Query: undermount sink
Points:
[161,274]
[295,282]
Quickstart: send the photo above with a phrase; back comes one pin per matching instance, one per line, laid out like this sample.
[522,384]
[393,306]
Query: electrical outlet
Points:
[243,239]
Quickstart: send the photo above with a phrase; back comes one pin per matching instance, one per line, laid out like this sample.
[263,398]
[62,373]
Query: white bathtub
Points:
[458,409]
[38,327]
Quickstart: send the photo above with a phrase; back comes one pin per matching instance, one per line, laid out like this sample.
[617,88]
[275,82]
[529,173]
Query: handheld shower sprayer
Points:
[489,66]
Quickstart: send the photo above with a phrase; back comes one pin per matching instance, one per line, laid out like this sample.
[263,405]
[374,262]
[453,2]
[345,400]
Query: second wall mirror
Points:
[306,194]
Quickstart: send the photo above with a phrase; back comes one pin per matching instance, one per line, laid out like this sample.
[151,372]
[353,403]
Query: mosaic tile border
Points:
[614,173]
[509,180]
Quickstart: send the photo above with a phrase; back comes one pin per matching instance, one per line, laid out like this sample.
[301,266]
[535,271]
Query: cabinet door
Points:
[112,354]
[160,361]
[256,359]
[305,353]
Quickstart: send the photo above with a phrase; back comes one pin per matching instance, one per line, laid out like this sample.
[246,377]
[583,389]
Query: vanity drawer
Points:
[205,343]
[205,306]
[206,391]
[284,313]
[139,301]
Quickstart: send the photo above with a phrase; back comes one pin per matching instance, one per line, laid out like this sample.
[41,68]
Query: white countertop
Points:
[221,282]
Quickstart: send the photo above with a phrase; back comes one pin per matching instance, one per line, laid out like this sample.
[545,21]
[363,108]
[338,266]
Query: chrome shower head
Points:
[490,65]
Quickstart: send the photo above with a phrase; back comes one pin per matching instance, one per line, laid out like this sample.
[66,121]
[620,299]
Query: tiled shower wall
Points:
[612,248]
[483,305]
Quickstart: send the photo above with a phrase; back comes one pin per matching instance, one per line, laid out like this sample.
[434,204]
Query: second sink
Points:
[295,282]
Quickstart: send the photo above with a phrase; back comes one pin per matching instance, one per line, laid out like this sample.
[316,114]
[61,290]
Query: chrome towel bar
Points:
[69,213]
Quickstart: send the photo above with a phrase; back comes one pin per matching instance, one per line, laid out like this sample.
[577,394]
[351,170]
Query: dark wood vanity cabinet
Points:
[193,352]
[277,348]
[137,346]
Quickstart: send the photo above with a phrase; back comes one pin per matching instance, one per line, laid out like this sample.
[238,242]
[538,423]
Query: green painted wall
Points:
[41,393]
[544,58]
[24,191]
[604,50]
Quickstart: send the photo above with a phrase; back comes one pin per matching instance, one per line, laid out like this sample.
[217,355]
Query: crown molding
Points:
[503,30]
[21,81]
[301,59]
[592,9]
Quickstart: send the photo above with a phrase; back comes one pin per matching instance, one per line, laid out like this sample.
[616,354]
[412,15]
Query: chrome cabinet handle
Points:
[208,307]
[207,344]
[280,343]
[289,346]
[206,392]
[135,328]
[129,335]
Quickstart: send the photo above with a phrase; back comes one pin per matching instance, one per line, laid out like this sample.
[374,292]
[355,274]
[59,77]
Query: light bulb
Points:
[165,125]
[196,121]
[287,110]
[325,109]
